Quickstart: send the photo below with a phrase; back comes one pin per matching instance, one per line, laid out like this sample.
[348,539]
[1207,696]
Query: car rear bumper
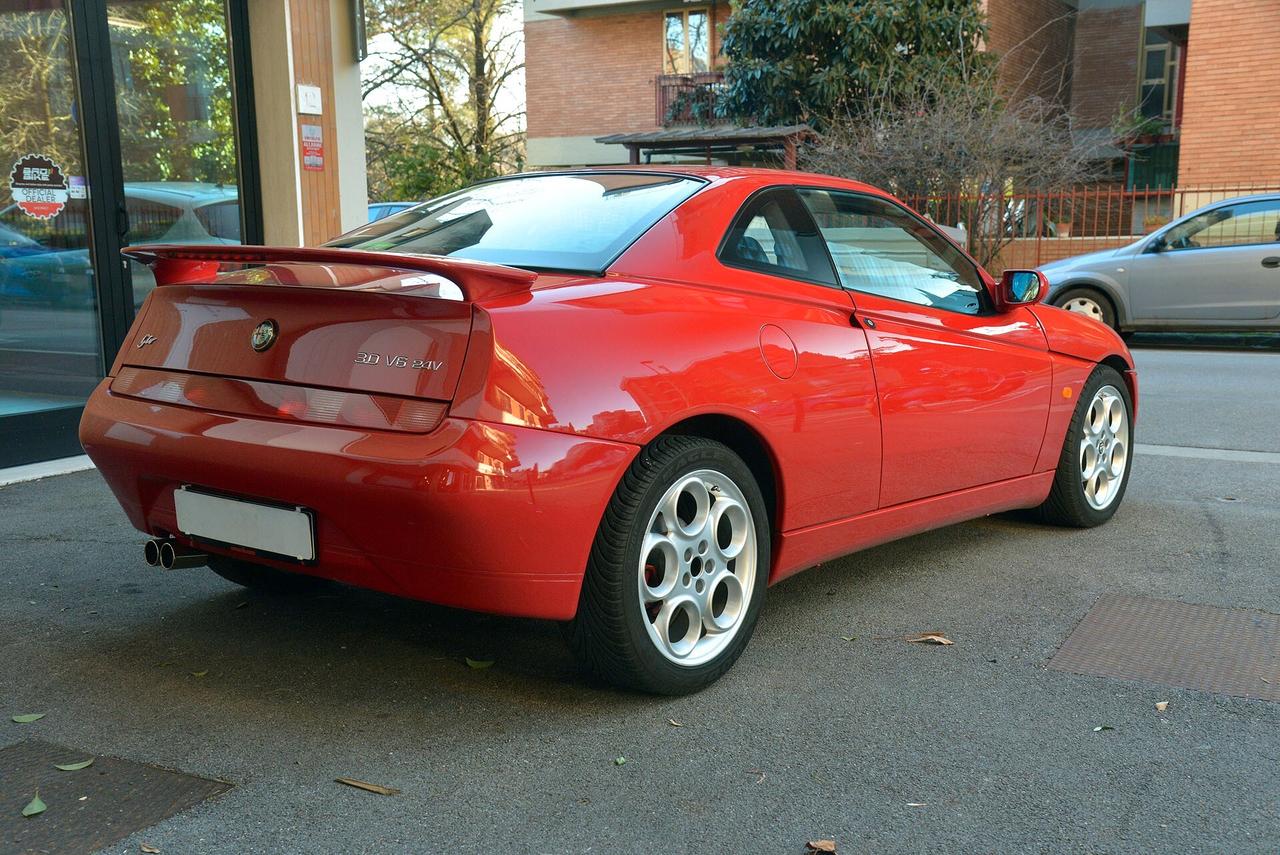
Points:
[494,518]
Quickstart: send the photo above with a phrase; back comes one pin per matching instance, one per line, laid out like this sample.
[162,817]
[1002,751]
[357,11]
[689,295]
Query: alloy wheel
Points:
[697,567]
[1104,447]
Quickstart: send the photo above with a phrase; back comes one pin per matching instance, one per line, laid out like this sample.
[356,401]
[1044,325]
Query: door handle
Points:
[1271,261]
[864,322]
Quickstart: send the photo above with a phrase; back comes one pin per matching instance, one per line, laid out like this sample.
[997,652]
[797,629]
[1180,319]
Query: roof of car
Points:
[176,192]
[759,175]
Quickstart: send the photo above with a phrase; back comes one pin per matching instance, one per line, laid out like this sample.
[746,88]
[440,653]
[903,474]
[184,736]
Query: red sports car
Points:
[625,399]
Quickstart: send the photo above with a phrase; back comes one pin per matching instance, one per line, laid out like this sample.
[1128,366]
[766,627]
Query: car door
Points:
[1221,265]
[964,392]
[828,401]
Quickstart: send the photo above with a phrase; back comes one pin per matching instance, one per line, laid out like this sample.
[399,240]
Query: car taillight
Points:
[281,401]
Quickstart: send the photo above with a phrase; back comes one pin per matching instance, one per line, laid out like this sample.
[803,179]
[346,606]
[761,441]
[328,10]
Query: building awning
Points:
[708,140]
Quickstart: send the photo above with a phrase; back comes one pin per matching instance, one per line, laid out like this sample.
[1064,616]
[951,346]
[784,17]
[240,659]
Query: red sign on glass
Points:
[312,147]
[38,186]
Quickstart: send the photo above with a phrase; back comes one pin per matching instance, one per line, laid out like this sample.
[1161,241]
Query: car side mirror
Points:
[1158,245]
[1020,288]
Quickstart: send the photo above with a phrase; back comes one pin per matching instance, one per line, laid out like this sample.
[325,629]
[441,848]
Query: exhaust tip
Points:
[151,552]
[179,557]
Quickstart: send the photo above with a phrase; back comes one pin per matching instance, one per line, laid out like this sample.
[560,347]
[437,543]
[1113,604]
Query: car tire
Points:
[1097,455]
[1088,302]
[260,577]
[667,606]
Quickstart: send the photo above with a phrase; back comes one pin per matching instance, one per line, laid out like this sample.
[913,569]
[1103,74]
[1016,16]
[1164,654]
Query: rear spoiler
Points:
[177,264]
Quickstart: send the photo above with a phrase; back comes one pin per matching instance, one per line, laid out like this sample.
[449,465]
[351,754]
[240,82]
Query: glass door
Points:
[50,337]
[172,68]
[119,125]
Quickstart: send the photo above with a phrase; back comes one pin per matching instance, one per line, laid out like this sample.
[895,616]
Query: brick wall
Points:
[1230,121]
[1034,40]
[1105,79]
[594,74]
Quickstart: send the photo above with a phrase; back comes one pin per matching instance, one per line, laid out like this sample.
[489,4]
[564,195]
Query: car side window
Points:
[879,248]
[1245,224]
[773,234]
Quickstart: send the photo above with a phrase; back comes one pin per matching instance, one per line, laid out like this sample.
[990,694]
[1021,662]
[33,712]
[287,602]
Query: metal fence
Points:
[687,99]
[1030,229]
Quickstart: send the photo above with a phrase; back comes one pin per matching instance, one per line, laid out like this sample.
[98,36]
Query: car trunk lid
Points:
[324,318]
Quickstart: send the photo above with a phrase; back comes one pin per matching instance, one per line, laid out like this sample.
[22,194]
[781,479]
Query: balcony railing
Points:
[688,99]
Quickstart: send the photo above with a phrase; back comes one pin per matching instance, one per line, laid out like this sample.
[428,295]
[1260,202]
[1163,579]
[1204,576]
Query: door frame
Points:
[49,434]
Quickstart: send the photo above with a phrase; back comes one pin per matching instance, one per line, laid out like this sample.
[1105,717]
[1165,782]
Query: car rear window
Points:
[579,222]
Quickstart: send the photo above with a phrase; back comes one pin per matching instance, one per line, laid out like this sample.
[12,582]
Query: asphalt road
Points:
[884,746]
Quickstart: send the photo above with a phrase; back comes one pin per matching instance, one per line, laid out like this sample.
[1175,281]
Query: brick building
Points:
[1194,69]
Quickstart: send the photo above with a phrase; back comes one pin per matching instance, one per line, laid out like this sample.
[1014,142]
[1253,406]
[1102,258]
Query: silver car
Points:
[1217,268]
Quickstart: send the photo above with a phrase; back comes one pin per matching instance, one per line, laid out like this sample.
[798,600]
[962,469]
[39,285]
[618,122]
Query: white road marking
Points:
[1209,453]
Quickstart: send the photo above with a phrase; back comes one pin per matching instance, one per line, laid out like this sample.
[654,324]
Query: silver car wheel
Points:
[1085,306]
[697,567]
[1104,448]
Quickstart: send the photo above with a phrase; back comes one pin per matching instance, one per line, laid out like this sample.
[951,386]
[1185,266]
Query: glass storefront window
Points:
[171,77]
[50,347]
[171,60]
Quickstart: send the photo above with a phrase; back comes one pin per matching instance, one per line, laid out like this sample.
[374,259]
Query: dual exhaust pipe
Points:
[168,555]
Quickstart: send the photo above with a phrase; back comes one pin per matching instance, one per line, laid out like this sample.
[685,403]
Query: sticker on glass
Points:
[38,186]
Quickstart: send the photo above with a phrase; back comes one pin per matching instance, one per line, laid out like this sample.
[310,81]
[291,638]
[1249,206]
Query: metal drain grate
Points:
[1213,649]
[90,808]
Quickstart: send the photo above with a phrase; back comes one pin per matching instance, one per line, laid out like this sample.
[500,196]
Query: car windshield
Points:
[549,222]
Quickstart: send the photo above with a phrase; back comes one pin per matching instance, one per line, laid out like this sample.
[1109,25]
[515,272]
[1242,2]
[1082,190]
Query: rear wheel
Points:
[260,577]
[1086,301]
[1093,470]
[677,572]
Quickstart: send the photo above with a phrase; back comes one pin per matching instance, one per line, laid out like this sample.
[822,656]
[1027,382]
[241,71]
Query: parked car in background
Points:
[624,399]
[1217,268]
[45,262]
[378,210]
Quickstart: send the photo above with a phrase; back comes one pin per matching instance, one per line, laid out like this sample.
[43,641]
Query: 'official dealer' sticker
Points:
[38,186]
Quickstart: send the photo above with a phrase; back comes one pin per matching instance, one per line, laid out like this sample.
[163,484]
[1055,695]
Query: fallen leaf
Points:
[34,807]
[198,673]
[28,718]
[674,723]
[1162,706]
[620,761]
[849,637]
[365,785]
[1102,727]
[821,845]
[478,664]
[930,638]
[149,849]
[74,767]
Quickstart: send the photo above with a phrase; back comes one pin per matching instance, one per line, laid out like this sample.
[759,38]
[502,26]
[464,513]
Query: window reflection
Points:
[177,124]
[50,353]
[686,42]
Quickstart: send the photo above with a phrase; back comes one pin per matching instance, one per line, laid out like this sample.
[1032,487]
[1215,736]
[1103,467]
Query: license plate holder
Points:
[271,530]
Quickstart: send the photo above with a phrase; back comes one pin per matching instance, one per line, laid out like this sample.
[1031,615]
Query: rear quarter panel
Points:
[625,358]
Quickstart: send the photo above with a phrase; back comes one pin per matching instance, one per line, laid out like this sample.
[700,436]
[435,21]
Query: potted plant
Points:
[1151,222]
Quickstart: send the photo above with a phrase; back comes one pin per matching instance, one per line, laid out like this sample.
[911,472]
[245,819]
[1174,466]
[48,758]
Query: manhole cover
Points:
[90,808]
[1229,651]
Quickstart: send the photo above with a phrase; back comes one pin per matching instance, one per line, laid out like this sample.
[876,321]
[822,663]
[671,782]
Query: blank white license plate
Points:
[268,528]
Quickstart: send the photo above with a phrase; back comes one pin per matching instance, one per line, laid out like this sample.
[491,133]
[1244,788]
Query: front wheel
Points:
[1088,302]
[1093,470]
[677,572]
